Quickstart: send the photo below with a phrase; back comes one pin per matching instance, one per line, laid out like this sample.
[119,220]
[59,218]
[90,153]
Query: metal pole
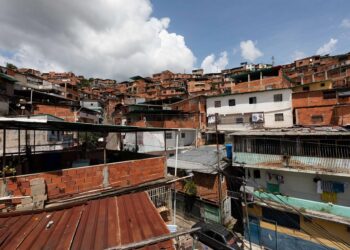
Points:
[31,102]
[104,151]
[19,144]
[176,154]
[165,146]
[3,153]
[219,169]
[276,235]
[34,141]
[176,150]
[246,213]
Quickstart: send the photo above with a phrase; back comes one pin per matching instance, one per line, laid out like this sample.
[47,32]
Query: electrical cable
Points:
[317,228]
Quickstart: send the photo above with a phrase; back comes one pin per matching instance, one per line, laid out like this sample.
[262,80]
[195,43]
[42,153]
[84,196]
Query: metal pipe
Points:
[218,169]
[34,141]
[165,146]
[247,216]
[154,240]
[176,157]
[3,153]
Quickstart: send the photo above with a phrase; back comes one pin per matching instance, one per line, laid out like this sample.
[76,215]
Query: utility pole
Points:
[246,213]
[219,169]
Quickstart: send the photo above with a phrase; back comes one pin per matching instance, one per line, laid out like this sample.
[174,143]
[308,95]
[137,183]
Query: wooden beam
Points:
[154,240]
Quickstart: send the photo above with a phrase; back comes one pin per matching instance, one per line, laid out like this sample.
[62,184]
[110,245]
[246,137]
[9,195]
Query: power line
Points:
[318,227]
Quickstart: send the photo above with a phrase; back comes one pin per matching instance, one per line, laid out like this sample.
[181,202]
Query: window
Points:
[256,174]
[322,84]
[317,118]
[279,117]
[183,135]
[217,104]
[232,102]
[278,98]
[168,135]
[306,88]
[239,120]
[329,95]
[252,100]
[219,238]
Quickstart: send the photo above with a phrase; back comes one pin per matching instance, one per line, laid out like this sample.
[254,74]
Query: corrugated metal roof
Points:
[203,159]
[31,124]
[302,131]
[97,224]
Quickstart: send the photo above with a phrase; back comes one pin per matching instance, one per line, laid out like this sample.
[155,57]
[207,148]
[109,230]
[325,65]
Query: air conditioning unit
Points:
[257,117]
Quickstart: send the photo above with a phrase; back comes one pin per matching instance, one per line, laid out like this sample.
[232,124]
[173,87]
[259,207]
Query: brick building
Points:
[320,104]
[67,80]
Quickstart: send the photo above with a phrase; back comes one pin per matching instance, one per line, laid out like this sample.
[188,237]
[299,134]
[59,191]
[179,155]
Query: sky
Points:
[118,39]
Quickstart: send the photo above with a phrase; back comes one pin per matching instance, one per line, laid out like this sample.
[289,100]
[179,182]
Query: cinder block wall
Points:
[76,180]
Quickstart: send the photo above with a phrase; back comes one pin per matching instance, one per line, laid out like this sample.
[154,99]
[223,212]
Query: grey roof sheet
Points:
[304,131]
[203,159]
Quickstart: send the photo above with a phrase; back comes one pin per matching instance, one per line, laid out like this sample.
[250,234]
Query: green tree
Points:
[11,66]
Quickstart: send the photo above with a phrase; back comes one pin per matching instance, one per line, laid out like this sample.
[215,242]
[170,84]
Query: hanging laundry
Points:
[327,186]
[338,187]
[332,186]
[329,197]
[280,179]
[319,187]
[275,178]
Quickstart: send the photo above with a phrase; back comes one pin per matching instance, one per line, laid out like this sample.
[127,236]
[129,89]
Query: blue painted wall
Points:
[267,238]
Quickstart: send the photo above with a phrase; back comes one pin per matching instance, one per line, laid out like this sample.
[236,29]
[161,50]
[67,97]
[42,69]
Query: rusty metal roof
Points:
[96,224]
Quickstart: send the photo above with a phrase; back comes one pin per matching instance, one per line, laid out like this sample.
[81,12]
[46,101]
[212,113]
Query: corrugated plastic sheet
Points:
[97,224]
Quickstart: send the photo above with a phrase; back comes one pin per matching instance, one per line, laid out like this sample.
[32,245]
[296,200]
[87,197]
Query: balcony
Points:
[294,163]
[319,209]
[327,152]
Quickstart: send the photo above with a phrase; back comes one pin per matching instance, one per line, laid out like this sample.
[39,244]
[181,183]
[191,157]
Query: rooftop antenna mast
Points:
[273,60]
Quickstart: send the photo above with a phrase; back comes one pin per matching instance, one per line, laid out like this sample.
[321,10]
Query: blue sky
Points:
[278,28]
[134,37]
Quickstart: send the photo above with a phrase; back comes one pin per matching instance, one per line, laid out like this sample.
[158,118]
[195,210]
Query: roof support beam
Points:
[154,240]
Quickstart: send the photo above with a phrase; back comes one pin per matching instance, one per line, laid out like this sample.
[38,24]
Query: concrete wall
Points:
[4,106]
[265,104]
[154,141]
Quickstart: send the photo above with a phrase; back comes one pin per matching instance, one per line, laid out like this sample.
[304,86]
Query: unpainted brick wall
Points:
[75,180]
[207,186]
[312,98]
[304,116]
[63,112]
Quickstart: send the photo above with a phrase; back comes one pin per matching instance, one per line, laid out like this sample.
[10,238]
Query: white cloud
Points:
[211,65]
[99,38]
[345,23]
[298,55]
[327,48]
[249,51]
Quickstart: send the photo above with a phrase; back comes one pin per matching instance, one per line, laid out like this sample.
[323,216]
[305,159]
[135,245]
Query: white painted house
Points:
[243,111]
[154,141]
